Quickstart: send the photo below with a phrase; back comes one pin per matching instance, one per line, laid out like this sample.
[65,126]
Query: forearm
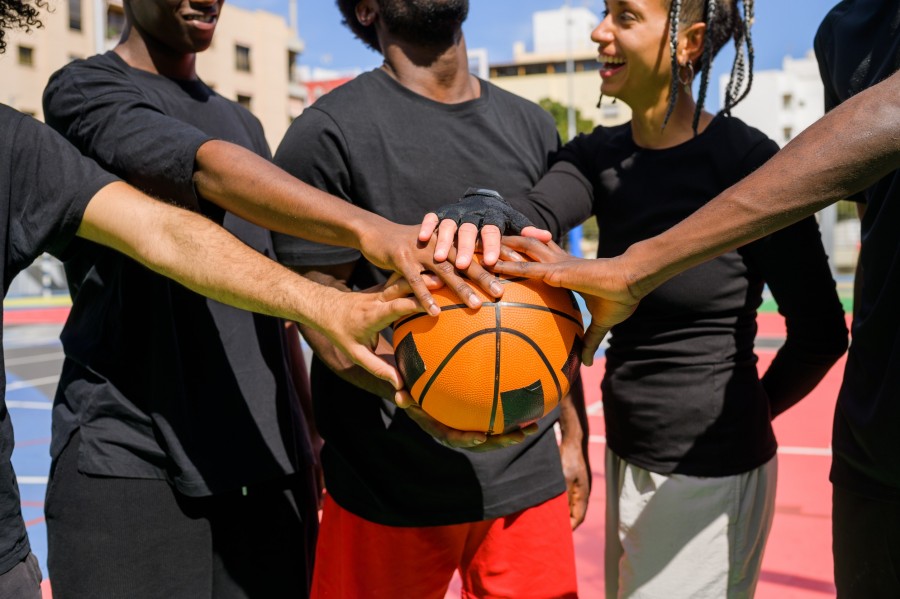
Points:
[199,254]
[561,200]
[843,153]
[257,190]
[793,375]
[573,420]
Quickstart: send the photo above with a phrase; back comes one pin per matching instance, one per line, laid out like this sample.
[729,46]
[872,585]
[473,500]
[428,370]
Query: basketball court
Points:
[797,563]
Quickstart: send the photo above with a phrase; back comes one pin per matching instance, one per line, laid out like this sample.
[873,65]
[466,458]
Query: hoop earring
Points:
[687,81]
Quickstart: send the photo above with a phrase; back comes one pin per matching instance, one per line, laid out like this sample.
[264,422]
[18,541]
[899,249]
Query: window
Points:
[292,73]
[788,134]
[242,58]
[245,101]
[75,15]
[115,22]
[786,101]
[505,71]
[26,56]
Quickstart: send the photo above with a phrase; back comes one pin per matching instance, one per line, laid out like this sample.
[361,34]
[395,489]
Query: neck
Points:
[647,123]
[143,52]
[438,73]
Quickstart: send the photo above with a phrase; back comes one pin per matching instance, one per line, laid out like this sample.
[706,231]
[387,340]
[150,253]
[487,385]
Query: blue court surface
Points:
[33,356]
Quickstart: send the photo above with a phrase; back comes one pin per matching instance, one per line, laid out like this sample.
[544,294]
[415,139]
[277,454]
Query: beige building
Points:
[561,38]
[251,60]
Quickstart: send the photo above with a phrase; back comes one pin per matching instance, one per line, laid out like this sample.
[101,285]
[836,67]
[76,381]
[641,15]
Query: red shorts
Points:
[526,555]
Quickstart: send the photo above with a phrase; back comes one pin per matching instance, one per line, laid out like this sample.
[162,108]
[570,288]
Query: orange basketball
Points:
[497,368]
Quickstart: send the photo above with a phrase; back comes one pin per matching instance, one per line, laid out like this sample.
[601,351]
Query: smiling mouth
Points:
[610,62]
[209,19]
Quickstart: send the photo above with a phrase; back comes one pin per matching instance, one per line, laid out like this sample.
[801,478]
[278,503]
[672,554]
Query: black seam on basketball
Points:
[537,307]
[403,321]
[540,353]
[471,336]
[446,360]
[496,398]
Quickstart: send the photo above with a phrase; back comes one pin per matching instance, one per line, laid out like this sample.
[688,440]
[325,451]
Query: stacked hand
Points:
[398,248]
[479,211]
[606,293]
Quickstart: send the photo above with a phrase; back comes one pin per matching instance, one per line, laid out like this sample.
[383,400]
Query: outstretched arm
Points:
[174,161]
[843,153]
[257,190]
[204,257]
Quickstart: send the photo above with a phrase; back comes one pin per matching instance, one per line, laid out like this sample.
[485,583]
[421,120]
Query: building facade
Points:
[251,60]
[562,67]
[782,103]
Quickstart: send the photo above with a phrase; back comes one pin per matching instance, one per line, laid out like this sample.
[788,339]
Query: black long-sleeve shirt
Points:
[681,391]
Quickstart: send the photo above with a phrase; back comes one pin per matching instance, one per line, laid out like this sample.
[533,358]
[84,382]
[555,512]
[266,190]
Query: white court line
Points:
[595,408]
[32,480]
[32,383]
[819,451]
[813,451]
[35,358]
[30,405]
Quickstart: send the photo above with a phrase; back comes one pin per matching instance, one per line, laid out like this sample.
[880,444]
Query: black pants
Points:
[866,547]
[123,538]
[23,581]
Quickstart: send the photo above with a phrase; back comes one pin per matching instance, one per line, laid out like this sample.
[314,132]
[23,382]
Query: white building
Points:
[550,35]
[782,103]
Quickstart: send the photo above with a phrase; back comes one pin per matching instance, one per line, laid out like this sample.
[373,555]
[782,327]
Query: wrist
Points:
[639,272]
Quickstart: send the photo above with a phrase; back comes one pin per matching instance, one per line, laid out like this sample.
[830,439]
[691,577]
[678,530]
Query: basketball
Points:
[497,368]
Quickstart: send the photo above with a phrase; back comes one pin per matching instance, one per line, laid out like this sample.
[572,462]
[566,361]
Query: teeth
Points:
[202,18]
[610,60]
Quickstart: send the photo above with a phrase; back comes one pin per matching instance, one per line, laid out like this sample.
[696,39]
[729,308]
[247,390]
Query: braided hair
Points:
[16,14]
[723,21]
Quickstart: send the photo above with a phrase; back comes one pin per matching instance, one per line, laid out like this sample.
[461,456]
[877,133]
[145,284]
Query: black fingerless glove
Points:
[484,207]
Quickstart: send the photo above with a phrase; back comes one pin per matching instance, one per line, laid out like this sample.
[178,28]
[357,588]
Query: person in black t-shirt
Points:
[853,150]
[50,193]
[399,141]
[858,45]
[182,407]
[691,465]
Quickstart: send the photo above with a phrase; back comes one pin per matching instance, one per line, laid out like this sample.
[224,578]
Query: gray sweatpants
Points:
[674,536]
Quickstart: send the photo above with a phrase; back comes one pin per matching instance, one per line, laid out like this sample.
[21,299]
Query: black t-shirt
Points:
[391,151]
[162,382]
[858,45]
[45,186]
[681,392]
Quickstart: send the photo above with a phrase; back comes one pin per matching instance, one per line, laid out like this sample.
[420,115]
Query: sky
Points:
[782,28]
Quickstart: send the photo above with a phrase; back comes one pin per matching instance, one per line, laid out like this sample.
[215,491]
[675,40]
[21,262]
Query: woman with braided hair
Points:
[691,455]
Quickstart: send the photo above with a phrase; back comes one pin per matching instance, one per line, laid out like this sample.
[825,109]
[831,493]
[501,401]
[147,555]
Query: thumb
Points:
[535,233]
[592,339]
[377,366]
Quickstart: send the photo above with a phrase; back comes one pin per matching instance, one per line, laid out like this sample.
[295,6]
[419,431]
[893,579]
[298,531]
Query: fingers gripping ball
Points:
[497,368]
